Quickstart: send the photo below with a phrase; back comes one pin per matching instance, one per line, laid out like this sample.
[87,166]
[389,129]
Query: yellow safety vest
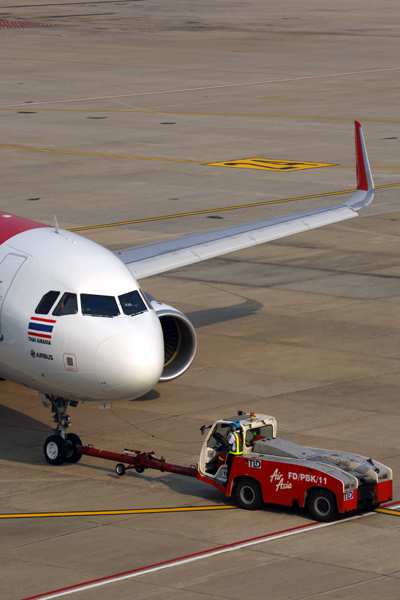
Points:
[239,445]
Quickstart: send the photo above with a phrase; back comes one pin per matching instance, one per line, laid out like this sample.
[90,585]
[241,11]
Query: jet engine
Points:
[180,340]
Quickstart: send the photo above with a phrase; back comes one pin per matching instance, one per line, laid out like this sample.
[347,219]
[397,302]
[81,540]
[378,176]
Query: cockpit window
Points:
[68,305]
[99,306]
[132,303]
[46,303]
[147,298]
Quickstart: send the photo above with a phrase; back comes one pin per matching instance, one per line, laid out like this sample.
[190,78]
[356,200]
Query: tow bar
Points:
[137,460]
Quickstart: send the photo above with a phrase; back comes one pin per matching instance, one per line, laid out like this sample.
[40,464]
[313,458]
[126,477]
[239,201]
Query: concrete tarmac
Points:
[112,112]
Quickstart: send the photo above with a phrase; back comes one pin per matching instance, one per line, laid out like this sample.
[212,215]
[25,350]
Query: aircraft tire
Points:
[73,442]
[55,450]
[248,494]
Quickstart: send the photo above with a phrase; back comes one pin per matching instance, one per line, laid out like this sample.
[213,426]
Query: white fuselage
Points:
[73,356]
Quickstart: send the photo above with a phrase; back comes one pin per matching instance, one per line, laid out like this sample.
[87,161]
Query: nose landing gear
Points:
[61,446]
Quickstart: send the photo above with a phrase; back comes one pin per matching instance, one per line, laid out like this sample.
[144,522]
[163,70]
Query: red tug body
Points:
[273,470]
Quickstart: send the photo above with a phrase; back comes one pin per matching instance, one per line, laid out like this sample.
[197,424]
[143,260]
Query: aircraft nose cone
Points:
[129,364]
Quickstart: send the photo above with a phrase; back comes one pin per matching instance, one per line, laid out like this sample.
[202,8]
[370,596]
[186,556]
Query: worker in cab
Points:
[237,443]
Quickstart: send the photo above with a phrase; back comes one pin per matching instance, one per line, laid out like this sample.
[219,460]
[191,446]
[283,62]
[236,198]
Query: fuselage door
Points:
[9,267]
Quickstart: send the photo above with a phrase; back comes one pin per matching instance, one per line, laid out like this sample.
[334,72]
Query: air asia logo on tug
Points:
[278,477]
[281,484]
[40,330]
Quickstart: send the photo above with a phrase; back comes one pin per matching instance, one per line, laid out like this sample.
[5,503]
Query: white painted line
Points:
[209,87]
[192,558]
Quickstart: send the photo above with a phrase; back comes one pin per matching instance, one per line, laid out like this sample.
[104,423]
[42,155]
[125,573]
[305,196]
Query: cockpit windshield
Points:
[132,303]
[68,305]
[99,306]
[44,306]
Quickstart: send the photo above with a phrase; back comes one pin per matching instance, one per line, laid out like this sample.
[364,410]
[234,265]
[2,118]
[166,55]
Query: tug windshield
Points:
[220,429]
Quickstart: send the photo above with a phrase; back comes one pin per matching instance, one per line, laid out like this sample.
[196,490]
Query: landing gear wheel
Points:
[73,442]
[321,505]
[120,469]
[55,450]
[139,469]
[248,494]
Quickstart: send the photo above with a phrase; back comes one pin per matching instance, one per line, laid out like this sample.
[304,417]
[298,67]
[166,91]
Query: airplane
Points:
[76,326]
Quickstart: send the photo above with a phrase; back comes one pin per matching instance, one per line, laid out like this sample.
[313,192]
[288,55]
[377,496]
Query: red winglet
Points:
[362,183]
[10,225]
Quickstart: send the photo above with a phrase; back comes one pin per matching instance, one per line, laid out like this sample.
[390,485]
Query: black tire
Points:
[248,494]
[73,442]
[322,506]
[55,450]
[120,469]
[139,469]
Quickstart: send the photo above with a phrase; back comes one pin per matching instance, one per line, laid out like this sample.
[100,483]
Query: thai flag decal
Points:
[41,328]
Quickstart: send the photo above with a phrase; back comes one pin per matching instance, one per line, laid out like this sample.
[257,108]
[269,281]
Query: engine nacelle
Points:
[180,340]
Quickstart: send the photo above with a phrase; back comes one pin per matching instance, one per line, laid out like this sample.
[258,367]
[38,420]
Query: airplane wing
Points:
[152,259]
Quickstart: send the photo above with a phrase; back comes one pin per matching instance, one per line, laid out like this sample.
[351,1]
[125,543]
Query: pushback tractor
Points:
[273,470]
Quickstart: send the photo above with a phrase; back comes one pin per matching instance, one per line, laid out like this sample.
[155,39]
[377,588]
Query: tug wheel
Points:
[139,469]
[321,505]
[73,442]
[248,494]
[55,450]
[120,469]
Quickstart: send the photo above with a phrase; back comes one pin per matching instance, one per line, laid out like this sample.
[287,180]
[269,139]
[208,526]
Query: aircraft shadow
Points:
[19,432]
[212,316]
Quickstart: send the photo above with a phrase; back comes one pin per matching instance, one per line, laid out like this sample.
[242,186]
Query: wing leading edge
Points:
[152,259]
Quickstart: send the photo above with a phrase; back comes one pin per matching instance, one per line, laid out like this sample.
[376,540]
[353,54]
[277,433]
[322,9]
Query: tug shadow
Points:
[197,490]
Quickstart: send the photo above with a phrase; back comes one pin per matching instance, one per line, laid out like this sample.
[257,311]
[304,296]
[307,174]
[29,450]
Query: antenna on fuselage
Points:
[56,225]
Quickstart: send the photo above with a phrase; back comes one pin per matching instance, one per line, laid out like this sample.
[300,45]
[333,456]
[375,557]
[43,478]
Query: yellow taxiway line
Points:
[221,209]
[387,511]
[180,160]
[101,155]
[143,511]
[93,513]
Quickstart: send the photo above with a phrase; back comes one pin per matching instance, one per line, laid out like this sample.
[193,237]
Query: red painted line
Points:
[44,320]
[386,504]
[198,555]
[170,562]
[25,24]
[197,89]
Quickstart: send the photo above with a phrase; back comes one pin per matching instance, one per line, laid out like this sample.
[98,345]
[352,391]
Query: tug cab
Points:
[216,447]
